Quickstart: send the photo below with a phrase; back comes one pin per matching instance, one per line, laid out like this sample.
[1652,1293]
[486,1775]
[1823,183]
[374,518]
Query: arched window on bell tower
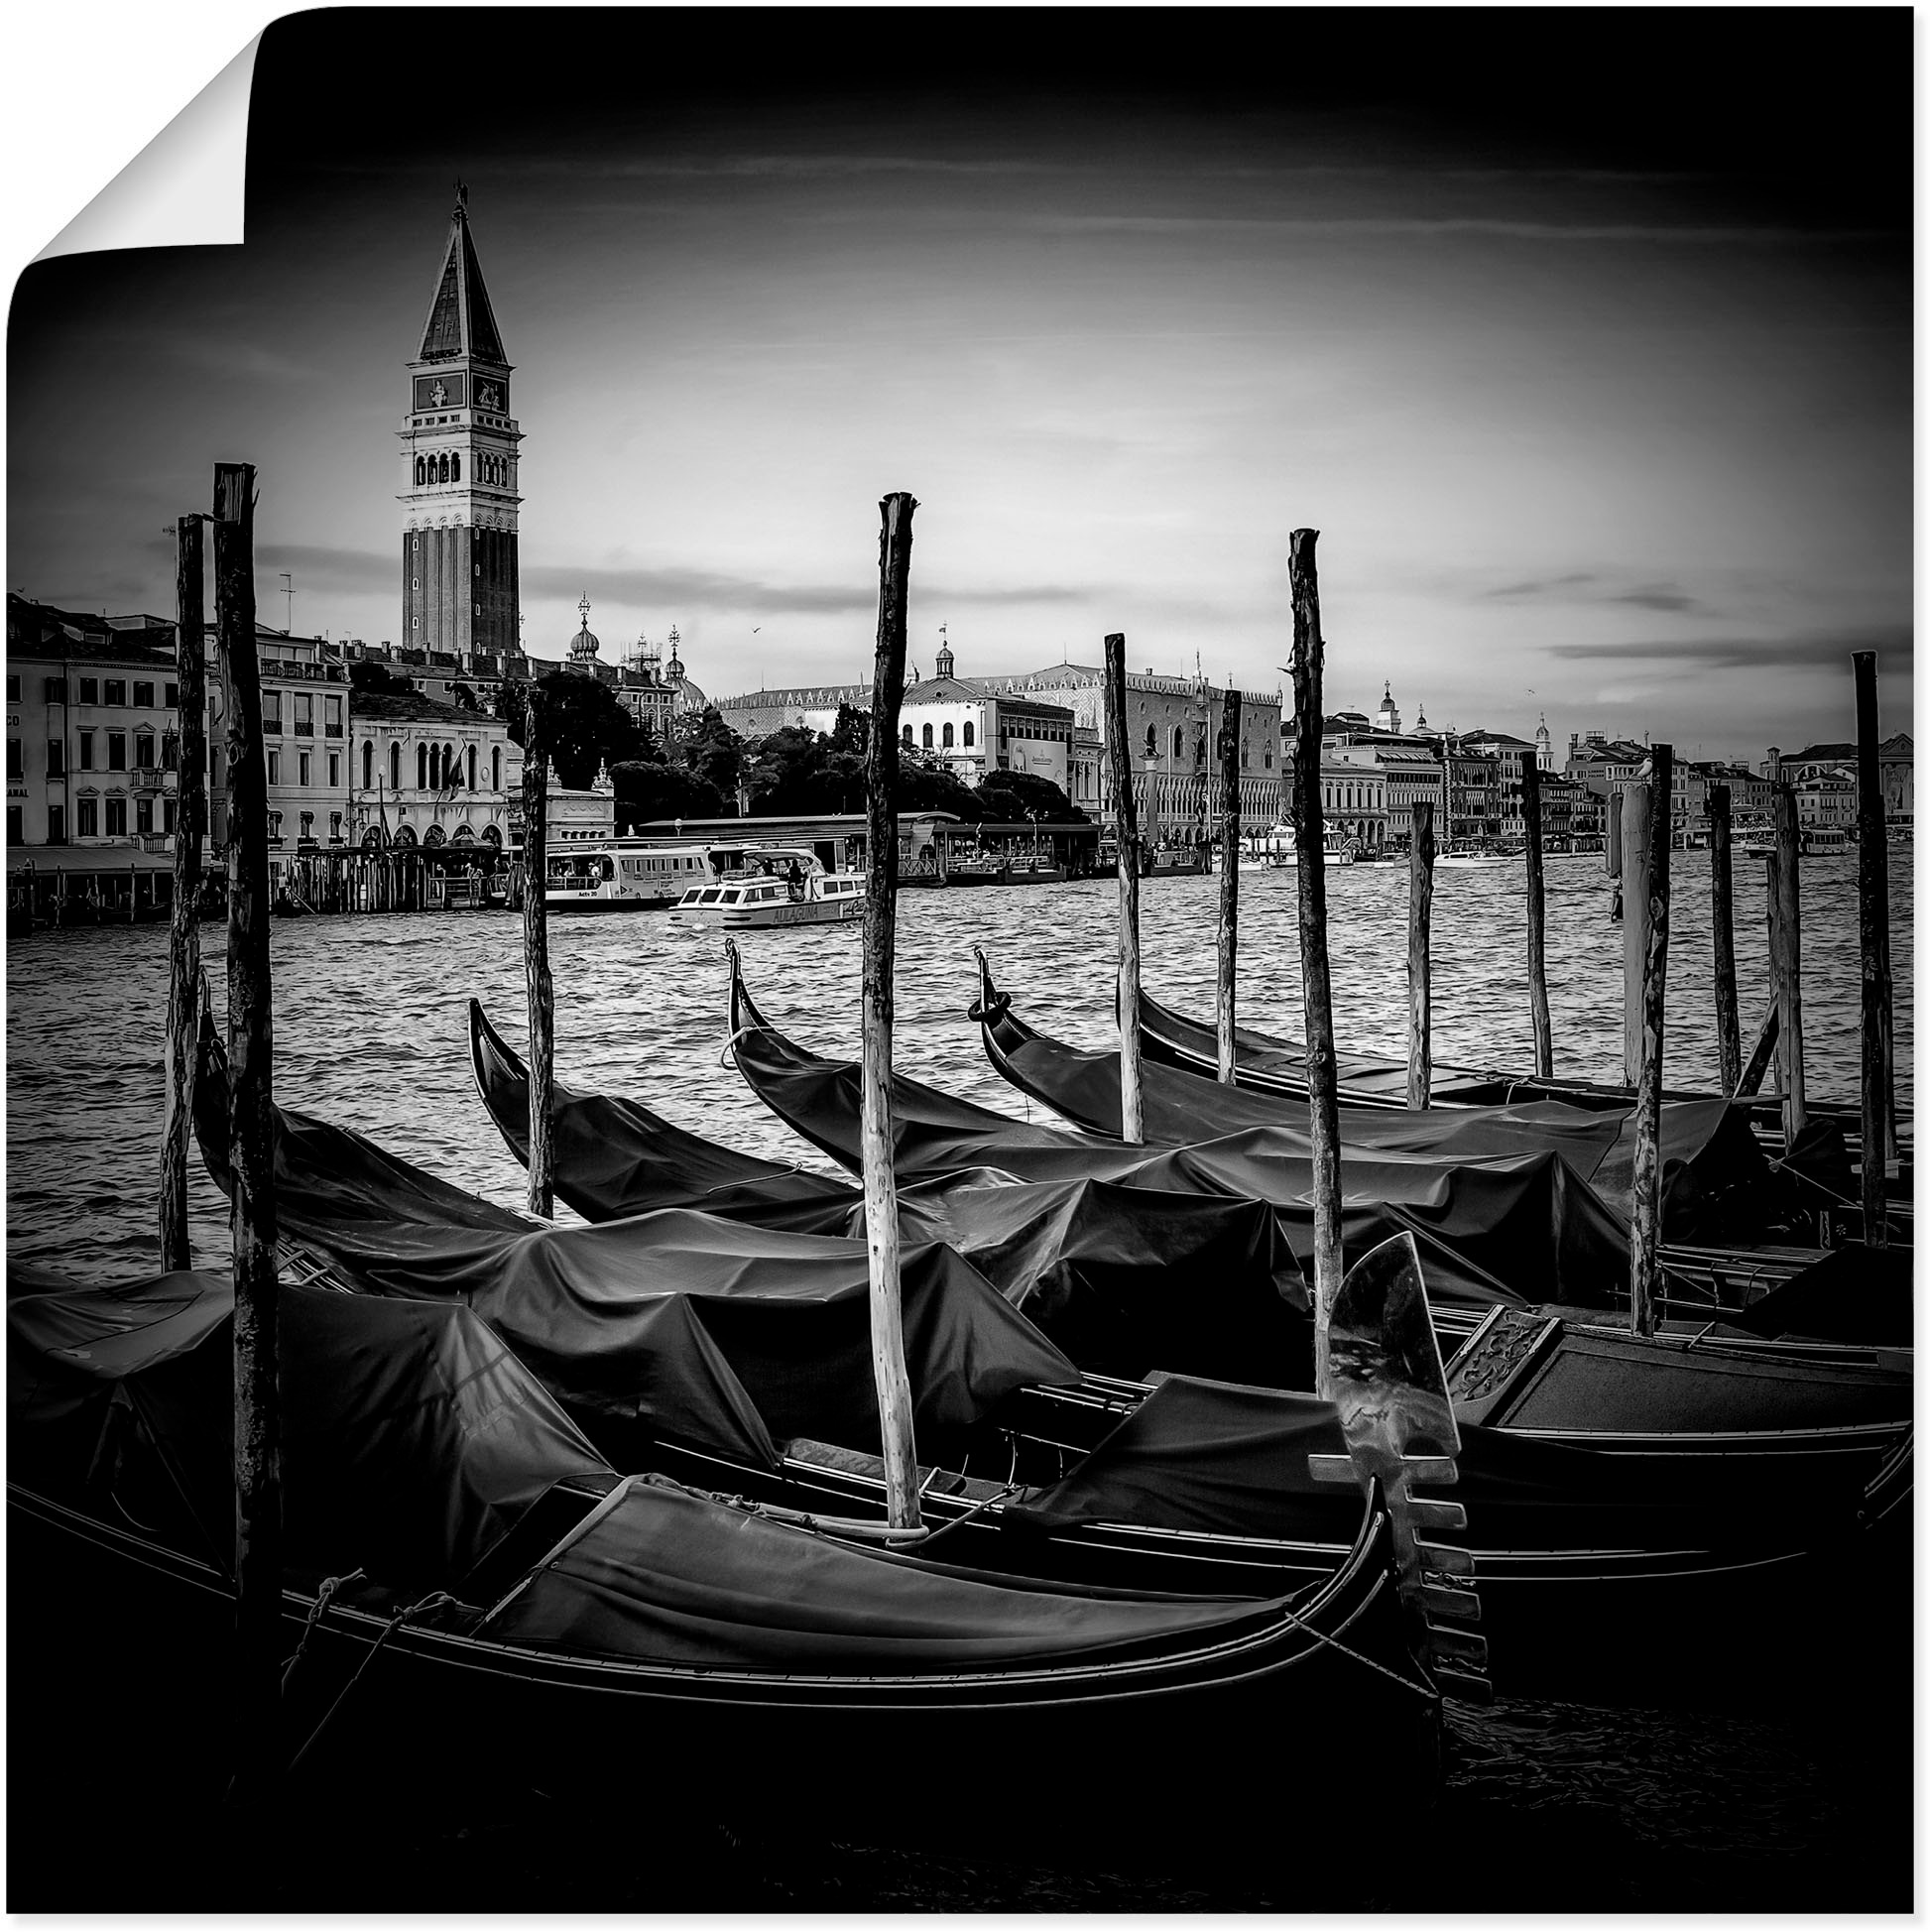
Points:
[394,765]
[455,469]
[422,767]
[420,478]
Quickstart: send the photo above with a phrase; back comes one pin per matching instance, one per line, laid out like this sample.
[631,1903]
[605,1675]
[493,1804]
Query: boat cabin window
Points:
[711,895]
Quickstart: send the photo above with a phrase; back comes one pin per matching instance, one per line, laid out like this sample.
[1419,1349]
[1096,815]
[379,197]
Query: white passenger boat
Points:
[622,876]
[771,885]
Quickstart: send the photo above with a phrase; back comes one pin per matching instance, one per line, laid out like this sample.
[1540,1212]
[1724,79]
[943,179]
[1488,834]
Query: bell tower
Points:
[460,584]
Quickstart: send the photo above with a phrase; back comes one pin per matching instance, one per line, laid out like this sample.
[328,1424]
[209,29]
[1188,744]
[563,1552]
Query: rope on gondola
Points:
[726,1052]
[989,1009]
[434,1601]
[316,1609]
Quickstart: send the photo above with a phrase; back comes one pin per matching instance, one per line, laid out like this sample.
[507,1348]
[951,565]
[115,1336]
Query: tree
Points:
[463,697]
[1016,795]
[583,725]
[649,789]
[707,746]
[851,735]
[780,778]
[373,675]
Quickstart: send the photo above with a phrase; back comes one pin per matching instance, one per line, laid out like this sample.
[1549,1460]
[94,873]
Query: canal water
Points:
[1739,1805]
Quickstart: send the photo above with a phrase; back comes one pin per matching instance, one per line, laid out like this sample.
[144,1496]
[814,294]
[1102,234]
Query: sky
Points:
[1585,340]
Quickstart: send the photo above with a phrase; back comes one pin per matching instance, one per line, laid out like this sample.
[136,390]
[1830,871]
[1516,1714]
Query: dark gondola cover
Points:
[1717,1182]
[1124,1279]
[1514,1228]
[412,1440]
[704,1331]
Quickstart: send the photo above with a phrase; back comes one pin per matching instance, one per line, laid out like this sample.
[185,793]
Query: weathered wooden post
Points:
[1873,911]
[1420,920]
[1638,851]
[1721,911]
[1323,1104]
[1544,1037]
[183,931]
[1118,753]
[1230,875]
[1787,937]
[881,906]
[251,1137]
[536,956]
[1646,1229]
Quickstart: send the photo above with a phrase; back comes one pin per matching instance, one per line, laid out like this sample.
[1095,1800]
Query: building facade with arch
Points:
[429,775]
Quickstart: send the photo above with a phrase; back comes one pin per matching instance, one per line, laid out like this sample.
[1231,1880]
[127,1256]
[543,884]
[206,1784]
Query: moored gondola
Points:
[511,1592]
[1125,1482]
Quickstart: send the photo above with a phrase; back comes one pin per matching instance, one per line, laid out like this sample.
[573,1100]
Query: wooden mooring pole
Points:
[1544,1037]
[1420,920]
[536,957]
[881,906]
[1323,1103]
[1721,912]
[1873,914]
[1637,847]
[1646,1229]
[1118,752]
[1229,876]
[1786,941]
[251,1139]
[184,928]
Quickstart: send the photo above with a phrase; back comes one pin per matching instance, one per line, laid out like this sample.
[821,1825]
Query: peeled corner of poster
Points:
[186,187]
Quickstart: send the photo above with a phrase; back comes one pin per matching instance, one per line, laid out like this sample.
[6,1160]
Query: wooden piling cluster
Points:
[1323,1100]
[1873,922]
[1118,755]
[251,1130]
[1229,880]
[1420,917]
[881,905]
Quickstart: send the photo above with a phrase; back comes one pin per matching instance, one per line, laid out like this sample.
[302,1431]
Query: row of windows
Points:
[1199,747]
[438,768]
[304,709]
[84,748]
[88,814]
[306,821]
[945,742]
[54,691]
[445,468]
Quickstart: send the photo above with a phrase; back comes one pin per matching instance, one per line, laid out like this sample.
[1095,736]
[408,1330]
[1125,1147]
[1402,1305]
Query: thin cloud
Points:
[1893,644]
[686,588]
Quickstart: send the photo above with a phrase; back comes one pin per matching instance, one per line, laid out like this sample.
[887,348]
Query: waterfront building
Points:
[460,469]
[305,739]
[92,734]
[1510,754]
[1561,807]
[427,774]
[1474,793]
[1826,804]
[1087,768]
[1175,725]
[970,725]
[1544,745]
[1354,806]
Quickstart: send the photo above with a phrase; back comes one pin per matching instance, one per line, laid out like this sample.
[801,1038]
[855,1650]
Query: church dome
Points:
[584,645]
[690,698]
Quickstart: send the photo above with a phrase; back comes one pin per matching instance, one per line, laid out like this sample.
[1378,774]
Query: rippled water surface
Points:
[370,1026]
[1638,1810]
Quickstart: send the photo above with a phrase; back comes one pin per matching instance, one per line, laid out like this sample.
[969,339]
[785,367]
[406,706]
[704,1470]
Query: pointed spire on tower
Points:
[460,320]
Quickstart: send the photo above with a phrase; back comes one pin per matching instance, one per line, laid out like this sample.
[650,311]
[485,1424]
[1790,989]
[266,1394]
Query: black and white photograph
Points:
[960,959]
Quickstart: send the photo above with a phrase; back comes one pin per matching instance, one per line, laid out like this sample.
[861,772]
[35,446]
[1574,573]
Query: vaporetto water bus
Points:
[771,884]
[622,876]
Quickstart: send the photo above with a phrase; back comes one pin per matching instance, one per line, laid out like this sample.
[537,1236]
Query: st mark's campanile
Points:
[459,589]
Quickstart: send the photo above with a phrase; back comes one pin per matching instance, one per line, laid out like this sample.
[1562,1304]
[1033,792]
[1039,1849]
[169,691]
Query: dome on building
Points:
[584,645]
[690,697]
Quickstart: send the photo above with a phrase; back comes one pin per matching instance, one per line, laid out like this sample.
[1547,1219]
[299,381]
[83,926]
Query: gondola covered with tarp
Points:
[1516,1228]
[455,1538]
[1717,1182]
[674,1324]
[1123,1279]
